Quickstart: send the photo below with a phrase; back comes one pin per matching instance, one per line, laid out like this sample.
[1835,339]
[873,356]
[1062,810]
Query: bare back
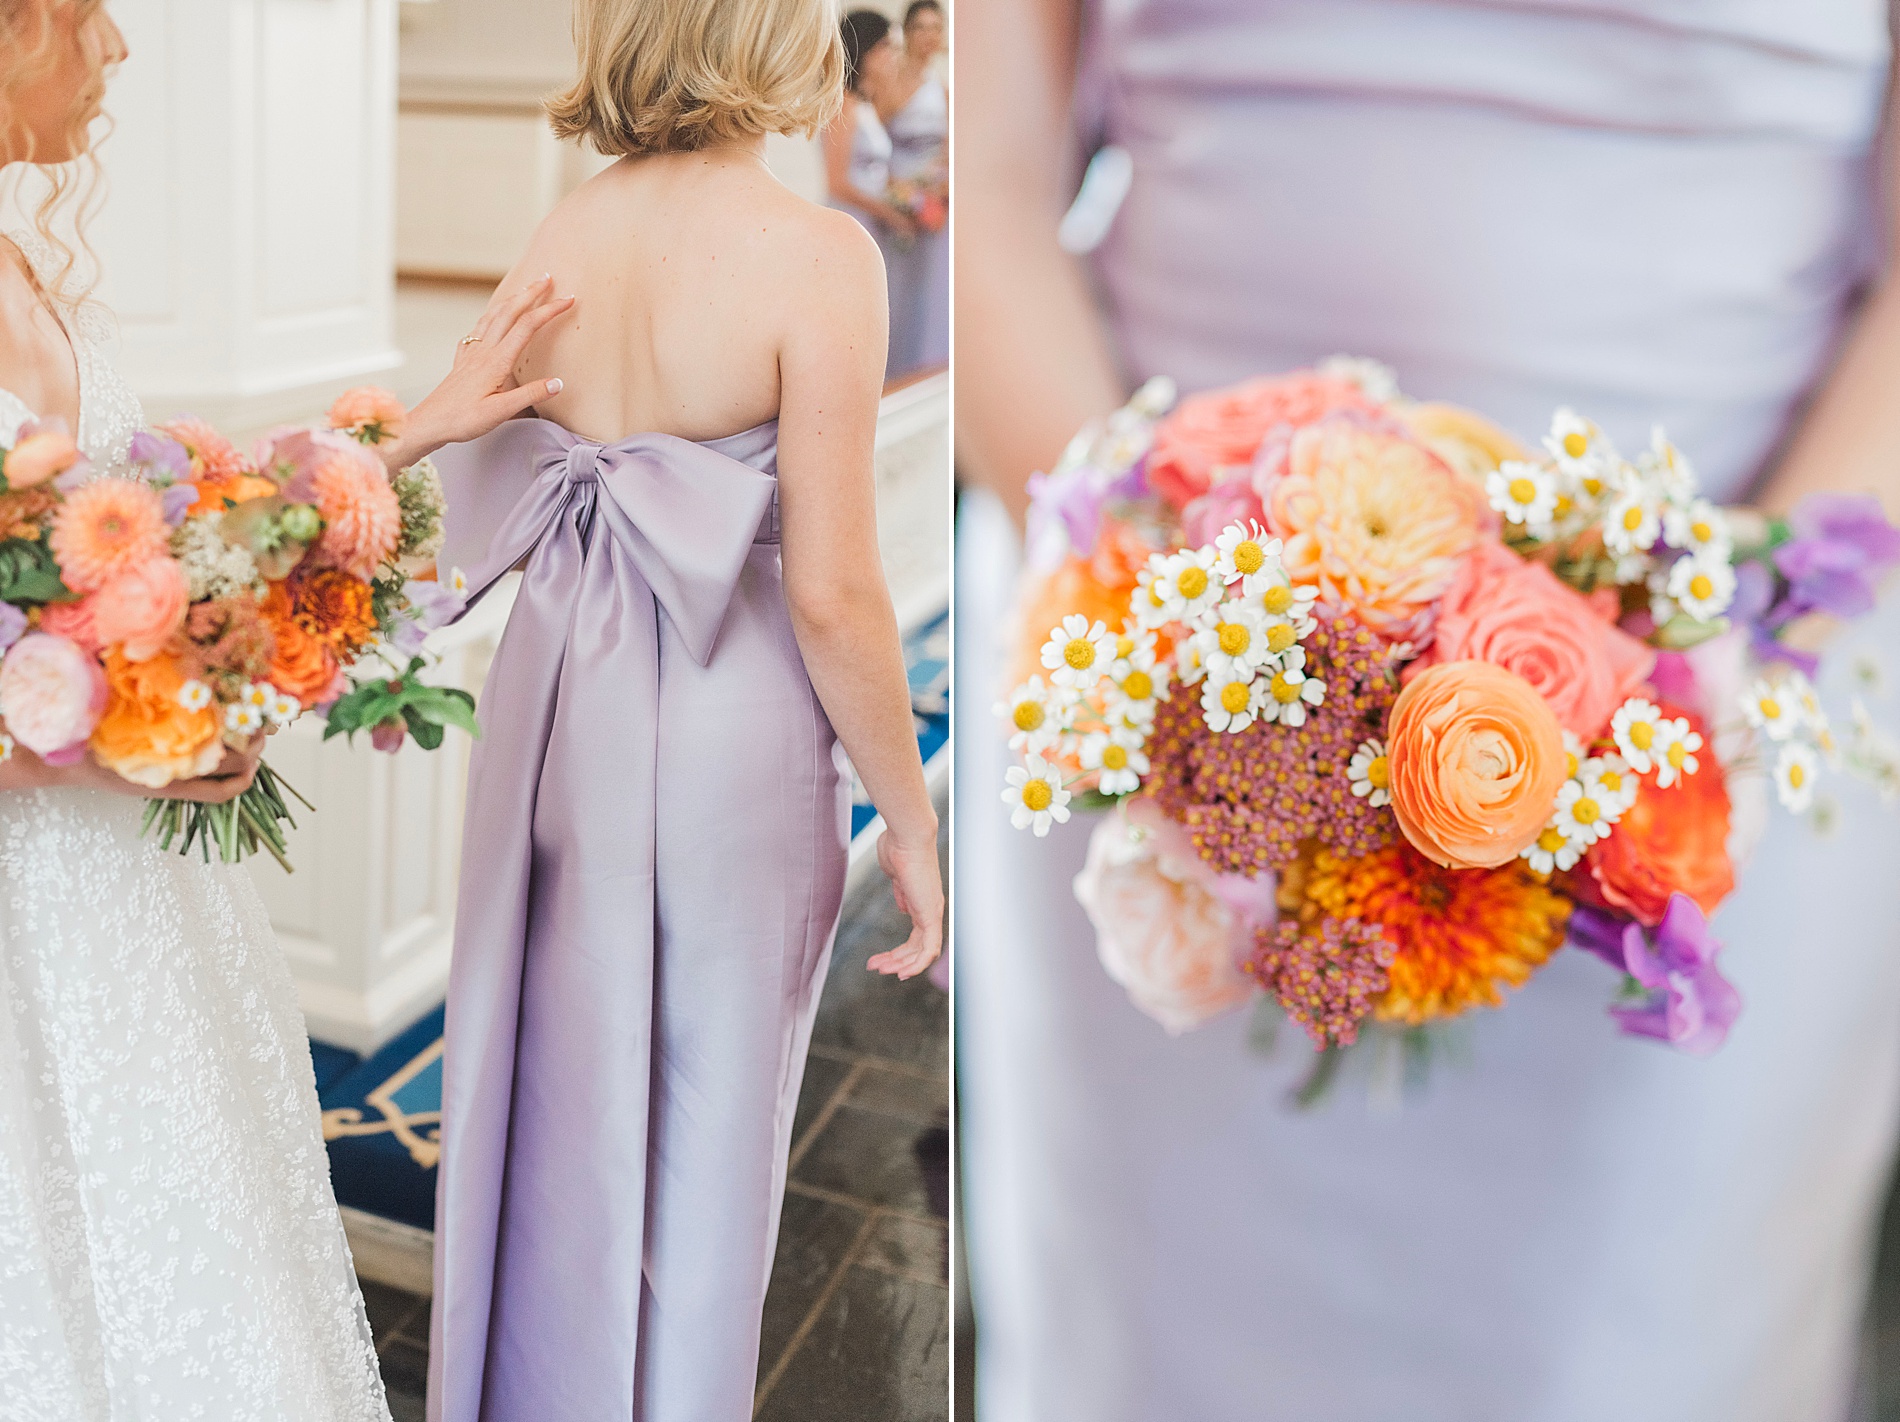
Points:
[686,269]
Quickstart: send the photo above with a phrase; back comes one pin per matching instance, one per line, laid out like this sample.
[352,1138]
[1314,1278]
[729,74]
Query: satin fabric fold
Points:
[643,560]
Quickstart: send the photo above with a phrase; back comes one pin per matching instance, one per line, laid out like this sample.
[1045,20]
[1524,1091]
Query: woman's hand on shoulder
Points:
[481,392]
[917,881]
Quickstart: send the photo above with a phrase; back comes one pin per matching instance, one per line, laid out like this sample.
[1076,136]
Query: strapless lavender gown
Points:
[1653,212]
[653,862]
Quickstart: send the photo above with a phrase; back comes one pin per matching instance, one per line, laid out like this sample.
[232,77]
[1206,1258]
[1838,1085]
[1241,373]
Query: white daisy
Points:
[1611,782]
[1232,703]
[1078,652]
[1579,815]
[6,748]
[1036,796]
[1633,521]
[1233,639]
[1702,586]
[1188,587]
[1576,444]
[1552,849]
[1376,378]
[1526,494]
[1573,753]
[1667,469]
[1130,642]
[1289,691]
[1188,666]
[1795,770]
[1154,399]
[1146,605]
[283,708]
[1636,727]
[242,719]
[1675,753]
[194,695]
[1137,684]
[1771,709]
[1034,715]
[1243,550]
[1697,526]
[1117,754]
[1371,774]
[458,581]
[258,695]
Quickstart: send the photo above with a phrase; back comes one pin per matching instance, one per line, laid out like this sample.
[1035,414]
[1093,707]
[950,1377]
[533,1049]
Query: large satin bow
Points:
[547,1065]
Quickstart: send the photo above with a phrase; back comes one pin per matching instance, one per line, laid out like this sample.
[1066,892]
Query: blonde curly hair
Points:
[668,76]
[69,192]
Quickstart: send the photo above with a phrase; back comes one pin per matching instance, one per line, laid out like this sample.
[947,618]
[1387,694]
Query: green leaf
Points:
[428,733]
[30,573]
[1682,631]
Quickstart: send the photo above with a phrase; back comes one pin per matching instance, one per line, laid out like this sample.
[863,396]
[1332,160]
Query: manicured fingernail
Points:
[554,387]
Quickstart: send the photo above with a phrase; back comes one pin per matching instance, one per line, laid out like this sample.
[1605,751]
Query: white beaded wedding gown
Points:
[169,1243]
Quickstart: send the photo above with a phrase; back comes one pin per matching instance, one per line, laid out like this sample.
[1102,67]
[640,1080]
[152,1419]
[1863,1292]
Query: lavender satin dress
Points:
[653,862]
[1656,211]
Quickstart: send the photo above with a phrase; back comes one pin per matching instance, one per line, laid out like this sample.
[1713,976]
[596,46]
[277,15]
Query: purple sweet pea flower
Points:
[1842,546]
[178,501]
[1690,1005]
[406,636]
[434,604]
[1066,506]
[12,625]
[158,455]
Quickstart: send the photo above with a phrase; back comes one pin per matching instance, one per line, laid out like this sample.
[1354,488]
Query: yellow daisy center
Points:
[1192,582]
[1249,557]
[1379,773]
[1676,754]
[1124,645]
[1564,505]
[1154,596]
[1115,758]
[1701,586]
[1593,487]
[1611,781]
[1037,795]
[1079,654]
[1701,532]
[1234,638]
[1234,697]
[1280,637]
[1586,811]
[1570,757]
[1284,691]
[1138,686]
[1029,715]
[1551,840]
[1632,519]
[1575,444]
[1642,734]
[1797,775]
[1277,600]
[1770,709]
[1523,490]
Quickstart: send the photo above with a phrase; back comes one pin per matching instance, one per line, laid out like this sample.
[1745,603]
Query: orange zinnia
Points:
[336,607]
[1462,934]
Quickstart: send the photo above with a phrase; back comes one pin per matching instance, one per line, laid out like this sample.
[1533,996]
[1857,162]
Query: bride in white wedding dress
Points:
[169,1242]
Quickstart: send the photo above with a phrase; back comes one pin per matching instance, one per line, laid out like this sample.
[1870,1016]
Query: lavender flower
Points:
[12,625]
[159,457]
[1687,1002]
[178,501]
[1842,546]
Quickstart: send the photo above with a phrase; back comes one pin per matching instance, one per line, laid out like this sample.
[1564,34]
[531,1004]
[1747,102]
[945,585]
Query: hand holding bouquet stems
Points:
[1389,707]
[156,625]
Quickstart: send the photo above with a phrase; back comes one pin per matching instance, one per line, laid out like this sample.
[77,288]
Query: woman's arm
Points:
[1033,361]
[1849,440]
[839,135]
[831,372]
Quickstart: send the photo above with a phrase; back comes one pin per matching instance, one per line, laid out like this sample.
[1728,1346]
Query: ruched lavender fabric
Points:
[652,865]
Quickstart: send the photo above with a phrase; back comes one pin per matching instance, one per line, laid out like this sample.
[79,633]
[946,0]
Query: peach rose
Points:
[1375,521]
[73,621]
[1206,433]
[1168,929]
[42,455]
[1502,609]
[301,665]
[1475,757]
[147,735]
[1669,841]
[142,608]
[51,696]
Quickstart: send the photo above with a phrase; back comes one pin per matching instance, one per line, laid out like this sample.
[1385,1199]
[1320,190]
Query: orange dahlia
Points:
[370,414]
[362,518]
[108,527]
[1461,934]
[336,607]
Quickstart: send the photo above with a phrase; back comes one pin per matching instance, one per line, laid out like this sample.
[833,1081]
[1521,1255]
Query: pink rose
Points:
[45,454]
[73,621]
[1232,500]
[52,694]
[1168,929]
[141,608]
[1516,614]
[1221,429]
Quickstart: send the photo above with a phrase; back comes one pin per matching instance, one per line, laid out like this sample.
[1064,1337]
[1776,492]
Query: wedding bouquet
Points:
[154,620]
[926,198]
[1388,708]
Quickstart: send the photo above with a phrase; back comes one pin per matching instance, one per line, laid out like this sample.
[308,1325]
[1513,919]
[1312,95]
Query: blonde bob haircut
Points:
[670,76]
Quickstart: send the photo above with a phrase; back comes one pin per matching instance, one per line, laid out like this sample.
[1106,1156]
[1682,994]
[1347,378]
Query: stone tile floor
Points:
[857,1319]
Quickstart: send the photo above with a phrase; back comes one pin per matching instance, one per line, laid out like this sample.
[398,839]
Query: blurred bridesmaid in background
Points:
[918,120]
[1675,213]
[858,163]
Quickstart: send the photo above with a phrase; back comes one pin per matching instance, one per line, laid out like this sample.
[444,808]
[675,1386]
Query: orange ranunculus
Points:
[1468,442]
[1222,428]
[1377,522]
[1476,758]
[302,665]
[1502,609]
[147,735]
[1669,841]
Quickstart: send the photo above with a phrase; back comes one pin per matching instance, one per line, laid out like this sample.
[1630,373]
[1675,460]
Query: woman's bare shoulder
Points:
[833,257]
